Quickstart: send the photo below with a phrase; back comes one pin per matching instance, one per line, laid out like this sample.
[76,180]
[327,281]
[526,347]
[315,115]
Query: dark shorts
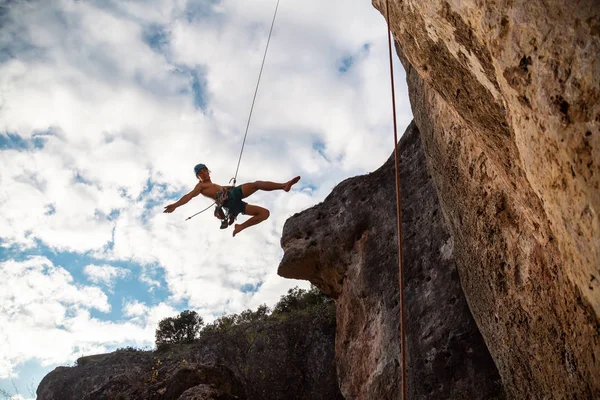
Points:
[234,202]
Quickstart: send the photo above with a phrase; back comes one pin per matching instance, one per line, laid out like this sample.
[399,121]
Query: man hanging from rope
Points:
[231,197]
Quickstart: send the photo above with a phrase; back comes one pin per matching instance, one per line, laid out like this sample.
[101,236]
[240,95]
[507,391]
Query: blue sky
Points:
[106,106]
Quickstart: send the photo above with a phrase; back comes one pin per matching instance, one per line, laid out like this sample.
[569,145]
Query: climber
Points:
[231,197]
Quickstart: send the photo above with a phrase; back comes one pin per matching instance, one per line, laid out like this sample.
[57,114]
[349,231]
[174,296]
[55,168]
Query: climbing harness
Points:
[398,210]
[222,213]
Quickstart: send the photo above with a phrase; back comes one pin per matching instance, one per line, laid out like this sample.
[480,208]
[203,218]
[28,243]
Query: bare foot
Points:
[237,229]
[291,183]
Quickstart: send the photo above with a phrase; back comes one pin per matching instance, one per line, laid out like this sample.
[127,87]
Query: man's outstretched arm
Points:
[187,197]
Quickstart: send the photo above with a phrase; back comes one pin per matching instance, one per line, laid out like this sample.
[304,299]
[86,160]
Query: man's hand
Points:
[170,208]
[186,197]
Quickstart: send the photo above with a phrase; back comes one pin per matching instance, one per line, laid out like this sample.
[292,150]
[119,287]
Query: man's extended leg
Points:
[249,189]
[258,214]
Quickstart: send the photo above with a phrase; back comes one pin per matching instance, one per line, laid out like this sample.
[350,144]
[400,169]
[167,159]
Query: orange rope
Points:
[399,211]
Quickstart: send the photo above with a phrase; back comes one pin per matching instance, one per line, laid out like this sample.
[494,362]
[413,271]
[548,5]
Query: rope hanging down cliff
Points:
[234,179]
[398,209]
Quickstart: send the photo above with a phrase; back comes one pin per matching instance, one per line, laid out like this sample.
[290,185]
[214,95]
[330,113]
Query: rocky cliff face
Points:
[347,245]
[507,98]
[288,356]
[130,375]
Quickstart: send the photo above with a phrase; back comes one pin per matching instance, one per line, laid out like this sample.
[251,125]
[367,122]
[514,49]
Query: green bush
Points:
[298,299]
[181,329]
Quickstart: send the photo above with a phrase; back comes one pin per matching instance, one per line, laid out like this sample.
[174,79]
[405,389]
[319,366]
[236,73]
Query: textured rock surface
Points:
[507,97]
[347,246]
[287,356]
[136,375]
[205,392]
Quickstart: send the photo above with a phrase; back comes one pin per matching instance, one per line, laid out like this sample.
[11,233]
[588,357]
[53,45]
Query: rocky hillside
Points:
[256,355]
[130,374]
[506,96]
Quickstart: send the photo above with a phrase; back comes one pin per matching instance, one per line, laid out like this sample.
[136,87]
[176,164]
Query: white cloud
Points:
[105,274]
[122,135]
[134,309]
[45,315]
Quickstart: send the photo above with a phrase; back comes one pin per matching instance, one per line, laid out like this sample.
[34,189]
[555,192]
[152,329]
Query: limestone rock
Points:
[205,392]
[287,356]
[347,246]
[507,98]
[221,380]
[290,357]
[136,375]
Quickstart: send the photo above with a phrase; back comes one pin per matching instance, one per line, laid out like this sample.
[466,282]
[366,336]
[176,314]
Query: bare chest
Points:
[211,190]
